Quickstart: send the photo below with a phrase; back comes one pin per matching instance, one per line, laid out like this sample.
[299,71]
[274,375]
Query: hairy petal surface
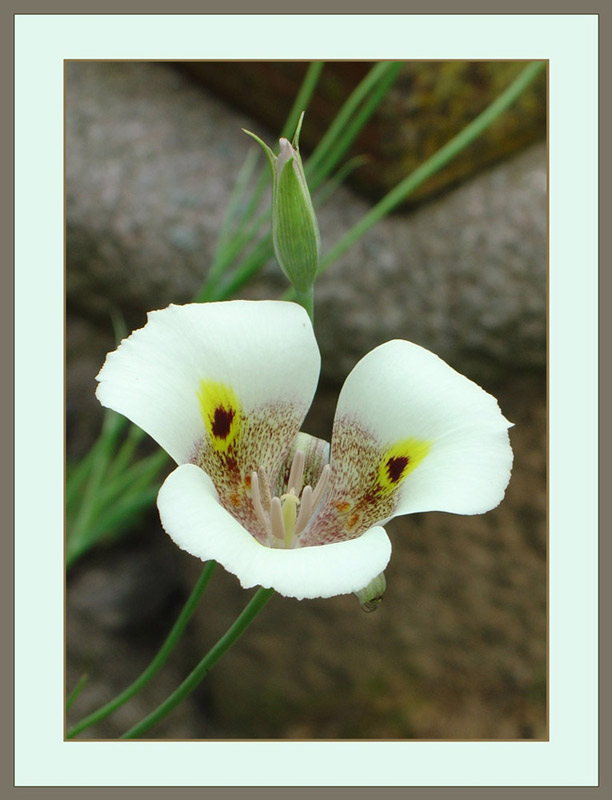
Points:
[192,515]
[411,434]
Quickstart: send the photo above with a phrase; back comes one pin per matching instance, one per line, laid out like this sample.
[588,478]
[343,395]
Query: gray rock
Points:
[464,276]
[148,174]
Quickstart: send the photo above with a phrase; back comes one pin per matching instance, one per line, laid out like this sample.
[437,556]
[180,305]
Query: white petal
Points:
[192,516]
[264,351]
[401,392]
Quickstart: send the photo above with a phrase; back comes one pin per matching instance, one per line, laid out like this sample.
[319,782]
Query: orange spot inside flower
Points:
[353,520]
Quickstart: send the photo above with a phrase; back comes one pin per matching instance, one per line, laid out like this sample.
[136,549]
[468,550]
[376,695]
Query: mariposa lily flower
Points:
[224,389]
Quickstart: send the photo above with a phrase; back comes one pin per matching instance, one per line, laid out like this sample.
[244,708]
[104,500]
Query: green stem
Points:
[257,602]
[306,300]
[158,661]
[435,163]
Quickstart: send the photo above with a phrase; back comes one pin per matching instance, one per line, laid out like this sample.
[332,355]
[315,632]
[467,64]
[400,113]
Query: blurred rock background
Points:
[458,648]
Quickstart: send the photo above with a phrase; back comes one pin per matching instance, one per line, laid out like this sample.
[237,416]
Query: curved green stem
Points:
[258,601]
[158,661]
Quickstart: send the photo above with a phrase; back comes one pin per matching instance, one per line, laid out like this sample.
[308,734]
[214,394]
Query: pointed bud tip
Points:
[285,154]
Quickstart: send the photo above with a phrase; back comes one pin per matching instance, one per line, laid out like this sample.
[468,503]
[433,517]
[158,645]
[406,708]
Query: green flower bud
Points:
[295,231]
[371,596]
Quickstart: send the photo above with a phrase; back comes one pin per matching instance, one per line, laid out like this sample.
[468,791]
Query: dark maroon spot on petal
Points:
[396,467]
[222,422]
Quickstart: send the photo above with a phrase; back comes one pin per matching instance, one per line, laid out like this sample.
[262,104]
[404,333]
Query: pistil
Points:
[285,517]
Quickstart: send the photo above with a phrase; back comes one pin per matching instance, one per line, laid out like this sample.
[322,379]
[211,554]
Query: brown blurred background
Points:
[458,648]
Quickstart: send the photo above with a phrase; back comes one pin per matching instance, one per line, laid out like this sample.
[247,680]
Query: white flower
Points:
[224,389]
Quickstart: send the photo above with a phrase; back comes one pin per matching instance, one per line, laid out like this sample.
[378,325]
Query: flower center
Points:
[285,517]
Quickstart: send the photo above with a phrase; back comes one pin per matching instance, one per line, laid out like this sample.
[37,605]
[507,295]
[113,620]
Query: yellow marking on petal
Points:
[399,461]
[221,413]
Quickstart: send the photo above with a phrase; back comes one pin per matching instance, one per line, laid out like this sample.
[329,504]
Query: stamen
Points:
[264,488]
[321,485]
[305,510]
[256,497]
[276,518]
[290,513]
[296,474]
